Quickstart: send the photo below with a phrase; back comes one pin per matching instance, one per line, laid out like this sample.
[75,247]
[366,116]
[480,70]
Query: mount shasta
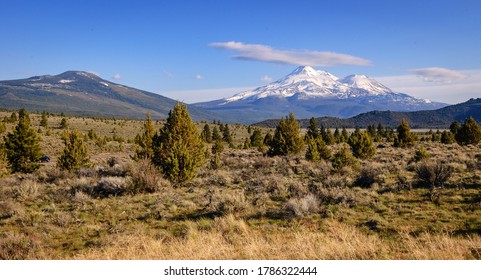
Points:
[313,93]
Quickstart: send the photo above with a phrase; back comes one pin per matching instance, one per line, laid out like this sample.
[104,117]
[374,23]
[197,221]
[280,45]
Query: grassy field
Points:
[252,207]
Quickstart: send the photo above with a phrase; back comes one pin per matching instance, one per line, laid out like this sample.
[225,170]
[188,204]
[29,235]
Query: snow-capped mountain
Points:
[308,92]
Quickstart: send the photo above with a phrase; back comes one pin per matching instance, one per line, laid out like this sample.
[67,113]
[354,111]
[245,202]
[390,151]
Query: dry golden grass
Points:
[252,207]
[232,238]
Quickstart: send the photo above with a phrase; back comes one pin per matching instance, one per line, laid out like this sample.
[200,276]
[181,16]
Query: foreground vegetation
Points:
[382,204]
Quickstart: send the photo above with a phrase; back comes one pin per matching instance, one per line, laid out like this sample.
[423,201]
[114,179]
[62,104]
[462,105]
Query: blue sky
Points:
[204,50]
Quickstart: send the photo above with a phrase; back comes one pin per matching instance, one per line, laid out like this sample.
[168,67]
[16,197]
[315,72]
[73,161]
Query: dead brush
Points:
[433,174]
[145,178]
[304,206]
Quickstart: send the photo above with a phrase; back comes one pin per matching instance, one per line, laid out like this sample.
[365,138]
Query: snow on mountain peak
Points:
[365,83]
[306,82]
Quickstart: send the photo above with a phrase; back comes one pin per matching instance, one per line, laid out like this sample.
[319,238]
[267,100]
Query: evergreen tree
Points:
[215,134]
[337,135]
[344,158]
[3,161]
[145,140]
[344,135]
[371,129]
[226,135]
[63,123]
[317,150]
[380,130]
[13,117]
[206,134]
[178,148]
[312,129]
[404,136]
[447,137]
[362,145]
[218,147]
[44,120]
[75,153]
[329,137]
[247,143]
[454,127]
[268,139]
[3,128]
[22,146]
[469,133]
[256,139]
[287,139]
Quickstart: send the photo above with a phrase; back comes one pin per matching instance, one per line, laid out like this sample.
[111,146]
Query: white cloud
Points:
[167,74]
[266,79]
[297,57]
[117,77]
[456,91]
[438,74]
[199,77]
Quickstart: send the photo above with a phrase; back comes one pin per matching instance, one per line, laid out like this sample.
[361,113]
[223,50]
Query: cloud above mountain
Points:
[294,57]
[438,74]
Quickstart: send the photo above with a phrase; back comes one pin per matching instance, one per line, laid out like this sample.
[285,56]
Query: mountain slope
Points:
[85,94]
[308,92]
[440,118]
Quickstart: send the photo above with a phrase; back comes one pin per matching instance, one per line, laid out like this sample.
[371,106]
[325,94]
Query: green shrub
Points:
[469,133]
[75,152]
[22,146]
[420,154]
[447,137]
[362,145]
[317,150]
[344,158]
[287,139]
[145,140]
[178,148]
[404,136]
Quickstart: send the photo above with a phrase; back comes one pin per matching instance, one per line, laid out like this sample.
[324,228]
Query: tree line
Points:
[178,150]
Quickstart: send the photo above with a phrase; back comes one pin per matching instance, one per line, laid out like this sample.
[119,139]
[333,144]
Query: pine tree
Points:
[256,139]
[344,158]
[63,123]
[337,135]
[218,147]
[3,161]
[329,137]
[226,135]
[75,152]
[13,117]
[312,129]
[22,146]
[317,150]
[287,139]
[404,136]
[454,127]
[215,134]
[178,148]
[268,139]
[344,135]
[44,120]
[145,140]
[362,145]
[206,134]
[447,137]
[380,130]
[3,128]
[469,133]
